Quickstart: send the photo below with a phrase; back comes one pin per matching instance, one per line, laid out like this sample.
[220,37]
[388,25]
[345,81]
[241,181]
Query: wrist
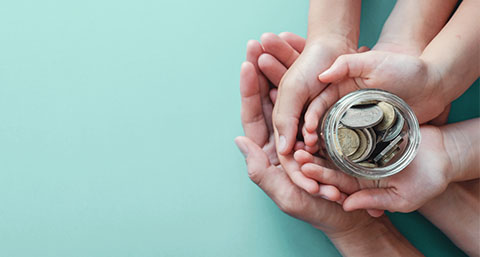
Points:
[377,238]
[435,85]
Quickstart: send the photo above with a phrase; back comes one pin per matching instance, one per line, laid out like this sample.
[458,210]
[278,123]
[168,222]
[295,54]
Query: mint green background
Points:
[117,121]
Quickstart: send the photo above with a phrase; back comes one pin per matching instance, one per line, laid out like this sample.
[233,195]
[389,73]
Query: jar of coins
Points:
[370,133]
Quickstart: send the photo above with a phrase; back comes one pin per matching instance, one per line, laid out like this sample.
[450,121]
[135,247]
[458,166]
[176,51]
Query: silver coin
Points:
[366,102]
[395,130]
[389,148]
[373,134]
[362,117]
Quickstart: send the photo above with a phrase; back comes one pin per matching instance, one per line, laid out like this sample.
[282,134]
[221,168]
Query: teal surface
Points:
[117,121]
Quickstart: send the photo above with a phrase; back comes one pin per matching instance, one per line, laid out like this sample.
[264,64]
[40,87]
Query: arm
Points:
[462,143]
[379,238]
[458,39]
[413,24]
[340,20]
[455,212]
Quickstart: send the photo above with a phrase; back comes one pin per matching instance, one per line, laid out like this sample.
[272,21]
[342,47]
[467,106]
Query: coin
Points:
[362,146]
[395,130]
[389,157]
[348,140]
[388,116]
[385,151]
[370,145]
[367,164]
[362,116]
[374,136]
[366,102]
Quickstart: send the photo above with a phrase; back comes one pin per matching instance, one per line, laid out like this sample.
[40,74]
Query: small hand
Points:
[297,88]
[425,178]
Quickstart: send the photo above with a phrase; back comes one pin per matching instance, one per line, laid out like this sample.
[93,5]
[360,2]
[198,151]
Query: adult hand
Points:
[264,168]
[355,233]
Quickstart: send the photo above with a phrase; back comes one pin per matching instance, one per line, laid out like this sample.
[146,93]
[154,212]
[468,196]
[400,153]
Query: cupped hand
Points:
[425,178]
[264,168]
[297,88]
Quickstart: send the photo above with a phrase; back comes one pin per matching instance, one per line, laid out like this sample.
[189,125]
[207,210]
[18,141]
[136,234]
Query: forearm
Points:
[453,55]
[462,143]
[338,20]
[413,24]
[455,212]
[379,238]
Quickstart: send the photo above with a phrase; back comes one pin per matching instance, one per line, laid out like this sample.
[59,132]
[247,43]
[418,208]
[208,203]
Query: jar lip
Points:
[331,125]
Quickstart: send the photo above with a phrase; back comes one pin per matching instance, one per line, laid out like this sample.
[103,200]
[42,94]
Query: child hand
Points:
[404,75]
[426,177]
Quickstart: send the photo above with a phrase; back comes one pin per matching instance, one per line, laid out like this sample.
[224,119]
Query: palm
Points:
[406,191]
[271,177]
[401,74]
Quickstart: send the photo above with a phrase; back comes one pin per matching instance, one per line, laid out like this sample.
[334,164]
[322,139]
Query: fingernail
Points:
[282,143]
[324,73]
[242,147]
[325,197]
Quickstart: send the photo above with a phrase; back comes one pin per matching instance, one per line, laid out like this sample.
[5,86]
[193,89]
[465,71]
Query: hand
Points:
[297,88]
[426,177]
[263,166]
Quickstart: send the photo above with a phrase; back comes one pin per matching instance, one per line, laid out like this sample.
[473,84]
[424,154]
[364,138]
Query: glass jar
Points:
[407,149]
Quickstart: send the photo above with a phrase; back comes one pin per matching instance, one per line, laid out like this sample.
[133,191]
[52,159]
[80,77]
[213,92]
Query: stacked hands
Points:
[288,83]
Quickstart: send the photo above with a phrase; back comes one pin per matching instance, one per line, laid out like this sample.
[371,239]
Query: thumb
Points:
[375,198]
[349,65]
[257,159]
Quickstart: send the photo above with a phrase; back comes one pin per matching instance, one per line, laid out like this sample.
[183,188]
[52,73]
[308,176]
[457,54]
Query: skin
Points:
[446,154]
[332,31]
[338,26]
[354,233]
[455,212]
[440,209]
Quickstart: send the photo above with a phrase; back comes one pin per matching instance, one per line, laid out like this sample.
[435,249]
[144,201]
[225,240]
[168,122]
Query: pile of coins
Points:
[370,133]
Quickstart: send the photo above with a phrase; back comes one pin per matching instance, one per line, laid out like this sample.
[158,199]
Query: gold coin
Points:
[367,164]
[388,116]
[389,157]
[362,146]
[348,140]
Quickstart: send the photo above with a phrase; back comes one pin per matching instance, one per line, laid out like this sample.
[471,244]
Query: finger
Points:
[272,68]
[376,198]
[280,49]
[348,65]
[299,145]
[324,175]
[254,50]
[310,139]
[343,196]
[442,118]
[270,179]
[273,95]
[286,116]
[329,192]
[295,41]
[317,109]
[363,49]
[253,120]
[302,157]
[375,213]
